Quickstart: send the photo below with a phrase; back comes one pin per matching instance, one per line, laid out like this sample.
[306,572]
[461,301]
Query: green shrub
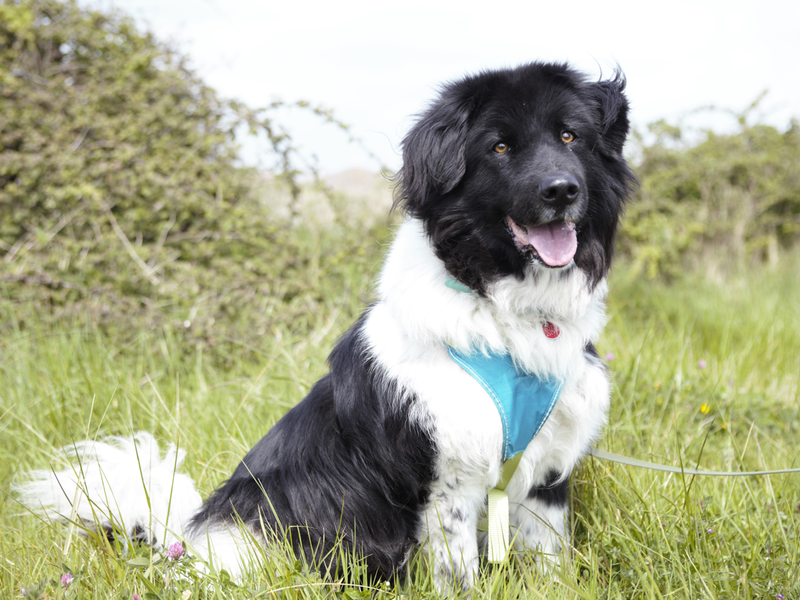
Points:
[121,196]
[724,201]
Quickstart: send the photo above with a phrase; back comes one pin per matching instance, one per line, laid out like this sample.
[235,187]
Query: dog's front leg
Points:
[450,530]
[539,521]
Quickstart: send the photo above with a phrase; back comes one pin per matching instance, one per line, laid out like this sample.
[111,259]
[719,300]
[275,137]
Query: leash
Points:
[643,464]
[496,524]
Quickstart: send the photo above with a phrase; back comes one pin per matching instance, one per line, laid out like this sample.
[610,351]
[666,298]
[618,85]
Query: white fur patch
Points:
[122,483]
[228,548]
[412,287]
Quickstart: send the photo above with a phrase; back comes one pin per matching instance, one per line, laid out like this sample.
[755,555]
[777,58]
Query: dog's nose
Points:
[559,189]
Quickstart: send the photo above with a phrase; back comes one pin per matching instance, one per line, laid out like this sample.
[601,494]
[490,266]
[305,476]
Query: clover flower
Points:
[66,579]
[175,551]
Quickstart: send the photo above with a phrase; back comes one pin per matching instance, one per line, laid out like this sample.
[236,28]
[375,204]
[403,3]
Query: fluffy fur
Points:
[397,446]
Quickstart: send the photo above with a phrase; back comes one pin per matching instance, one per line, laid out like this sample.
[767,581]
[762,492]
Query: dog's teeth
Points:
[521,237]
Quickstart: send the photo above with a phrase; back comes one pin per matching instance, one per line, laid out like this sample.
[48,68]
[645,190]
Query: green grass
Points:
[636,533]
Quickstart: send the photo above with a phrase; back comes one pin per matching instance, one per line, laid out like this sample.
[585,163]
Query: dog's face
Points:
[520,168]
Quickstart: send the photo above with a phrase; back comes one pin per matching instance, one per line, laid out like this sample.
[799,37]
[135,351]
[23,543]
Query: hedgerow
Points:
[121,195]
[723,202]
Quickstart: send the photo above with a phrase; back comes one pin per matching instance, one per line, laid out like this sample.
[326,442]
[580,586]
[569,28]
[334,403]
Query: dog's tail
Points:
[121,485]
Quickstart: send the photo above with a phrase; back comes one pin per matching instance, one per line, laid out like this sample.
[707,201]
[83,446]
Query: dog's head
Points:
[520,167]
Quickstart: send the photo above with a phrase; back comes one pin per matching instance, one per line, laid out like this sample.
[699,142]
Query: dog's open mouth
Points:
[554,244]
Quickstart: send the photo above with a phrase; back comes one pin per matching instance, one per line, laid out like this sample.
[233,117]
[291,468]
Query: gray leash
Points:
[635,462]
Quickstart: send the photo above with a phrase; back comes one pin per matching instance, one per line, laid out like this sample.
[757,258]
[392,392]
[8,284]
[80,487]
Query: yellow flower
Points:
[705,409]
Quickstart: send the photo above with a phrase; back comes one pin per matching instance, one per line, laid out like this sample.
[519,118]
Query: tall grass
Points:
[705,374]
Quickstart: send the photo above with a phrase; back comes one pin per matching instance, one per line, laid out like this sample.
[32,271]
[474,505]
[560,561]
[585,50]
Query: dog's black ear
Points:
[612,105]
[434,151]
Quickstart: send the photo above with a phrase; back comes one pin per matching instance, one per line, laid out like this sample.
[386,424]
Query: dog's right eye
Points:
[501,148]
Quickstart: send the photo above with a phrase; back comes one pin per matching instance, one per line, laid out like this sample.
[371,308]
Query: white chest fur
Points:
[417,316]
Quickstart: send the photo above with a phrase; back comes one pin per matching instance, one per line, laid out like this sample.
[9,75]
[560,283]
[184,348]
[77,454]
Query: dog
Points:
[512,184]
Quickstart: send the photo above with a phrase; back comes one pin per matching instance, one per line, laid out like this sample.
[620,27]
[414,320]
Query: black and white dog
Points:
[513,183]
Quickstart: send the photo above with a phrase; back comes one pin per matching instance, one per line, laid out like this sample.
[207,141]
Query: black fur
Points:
[344,465]
[553,492]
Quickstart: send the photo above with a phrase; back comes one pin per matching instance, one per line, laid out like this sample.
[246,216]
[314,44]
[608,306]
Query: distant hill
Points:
[353,198]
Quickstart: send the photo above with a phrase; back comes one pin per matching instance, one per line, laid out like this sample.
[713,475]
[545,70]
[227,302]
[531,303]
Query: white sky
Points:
[377,63]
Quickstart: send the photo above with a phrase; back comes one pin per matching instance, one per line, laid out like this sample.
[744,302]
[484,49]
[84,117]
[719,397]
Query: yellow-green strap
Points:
[496,522]
[507,471]
[497,551]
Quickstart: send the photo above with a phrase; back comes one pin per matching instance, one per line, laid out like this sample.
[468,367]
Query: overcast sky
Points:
[378,63]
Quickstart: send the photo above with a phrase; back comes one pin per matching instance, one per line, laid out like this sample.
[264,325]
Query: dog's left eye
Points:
[501,148]
[567,137]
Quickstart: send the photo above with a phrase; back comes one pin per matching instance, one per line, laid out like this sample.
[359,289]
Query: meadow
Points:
[706,374]
[149,281]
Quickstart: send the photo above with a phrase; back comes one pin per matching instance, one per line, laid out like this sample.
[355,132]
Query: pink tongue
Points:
[556,243]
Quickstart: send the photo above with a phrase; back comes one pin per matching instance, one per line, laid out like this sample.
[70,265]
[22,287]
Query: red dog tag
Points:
[550,330]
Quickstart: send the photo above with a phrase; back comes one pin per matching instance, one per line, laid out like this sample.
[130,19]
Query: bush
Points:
[721,202]
[121,197]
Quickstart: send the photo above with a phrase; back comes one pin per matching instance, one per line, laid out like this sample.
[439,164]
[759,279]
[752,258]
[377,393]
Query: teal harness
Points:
[523,401]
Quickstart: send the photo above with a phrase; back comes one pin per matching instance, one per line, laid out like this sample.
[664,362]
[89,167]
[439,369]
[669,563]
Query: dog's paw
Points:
[456,580]
[541,528]
[550,555]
